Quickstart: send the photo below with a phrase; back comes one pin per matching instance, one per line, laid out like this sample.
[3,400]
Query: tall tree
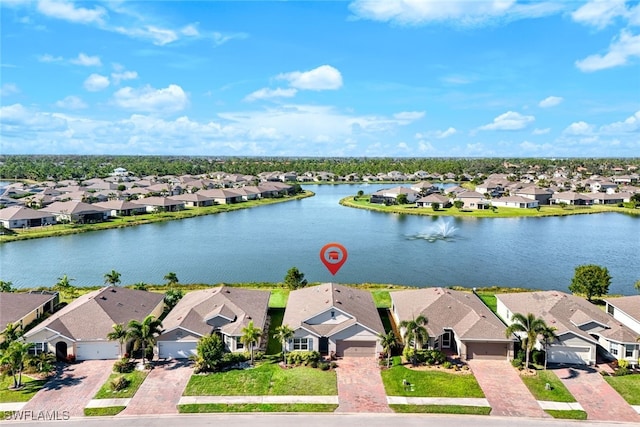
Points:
[144,333]
[529,326]
[8,286]
[64,286]
[590,280]
[295,279]
[172,297]
[119,334]
[12,333]
[415,333]
[112,278]
[14,357]
[388,342]
[171,278]
[548,335]
[250,337]
[283,334]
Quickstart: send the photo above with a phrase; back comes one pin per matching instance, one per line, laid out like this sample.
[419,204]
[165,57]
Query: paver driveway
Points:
[504,389]
[595,395]
[161,390]
[72,388]
[360,387]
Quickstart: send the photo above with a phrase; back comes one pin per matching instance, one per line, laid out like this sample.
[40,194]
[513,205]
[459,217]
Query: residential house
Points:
[515,202]
[390,195]
[428,201]
[121,208]
[22,309]
[223,310]
[158,204]
[82,326]
[332,318]
[582,328]
[600,198]
[458,322]
[571,198]
[22,217]
[473,200]
[193,199]
[425,188]
[76,211]
[222,196]
[626,310]
[541,195]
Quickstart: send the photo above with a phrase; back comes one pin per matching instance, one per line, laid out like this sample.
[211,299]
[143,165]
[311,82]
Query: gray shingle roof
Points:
[14,306]
[630,305]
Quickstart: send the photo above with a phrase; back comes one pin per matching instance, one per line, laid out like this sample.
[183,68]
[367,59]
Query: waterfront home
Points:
[121,208]
[223,310]
[428,201]
[472,200]
[390,195]
[571,198]
[600,198]
[458,322]
[541,195]
[159,204]
[222,196]
[248,192]
[22,309]
[76,211]
[81,328]
[514,202]
[626,310]
[332,318]
[582,328]
[425,188]
[22,217]
[193,199]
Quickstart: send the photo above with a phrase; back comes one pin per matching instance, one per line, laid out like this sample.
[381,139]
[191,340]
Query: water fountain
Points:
[442,230]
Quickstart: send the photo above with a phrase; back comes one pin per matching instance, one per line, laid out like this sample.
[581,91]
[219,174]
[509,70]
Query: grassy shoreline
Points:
[131,221]
[501,212]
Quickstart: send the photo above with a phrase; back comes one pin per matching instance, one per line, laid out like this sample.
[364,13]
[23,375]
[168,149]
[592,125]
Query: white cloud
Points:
[9,89]
[71,103]
[96,82]
[510,120]
[440,134]
[50,58]
[531,147]
[541,131]
[454,12]
[266,93]
[221,38]
[409,116]
[17,118]
[158,36]
[87,61]
[550,101]
[599,13]
[457,80]
[426,147]
[69,12]
[147,99]
[403,146]
[579,128]
[190,30]
[631,124]
[324,77]
[625,47]
[123,75]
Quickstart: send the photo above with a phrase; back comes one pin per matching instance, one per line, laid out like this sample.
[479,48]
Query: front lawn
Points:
[429,383]
[627,386]
[568,415]
[441,409]
[109,411]
[537,386]
[30,387]
[256,407]
[136,378]
[265,379]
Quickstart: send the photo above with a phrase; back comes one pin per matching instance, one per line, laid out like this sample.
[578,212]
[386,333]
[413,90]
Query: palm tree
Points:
[12,333]
[388,342]
[144,333]
[250,337]
[283,334]
[415,333]
[548,334]
[64,286]
[6,286]
[171,278]
[119,334]
[14,357]
[112,278]
[530,326]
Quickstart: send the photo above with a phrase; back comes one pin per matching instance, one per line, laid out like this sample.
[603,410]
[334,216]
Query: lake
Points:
[261,244]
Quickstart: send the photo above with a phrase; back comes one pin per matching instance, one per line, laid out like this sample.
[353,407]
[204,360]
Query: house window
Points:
[628,351]
[610,309]
[239,344]
[301,344]
[333,314]
[613,349]
[37,348]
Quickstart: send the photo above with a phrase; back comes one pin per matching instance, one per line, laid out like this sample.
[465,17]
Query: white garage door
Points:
[569,355]
[356,348]
[97,350]
[176,349]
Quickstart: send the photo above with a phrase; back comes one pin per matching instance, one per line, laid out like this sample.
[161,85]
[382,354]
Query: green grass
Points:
[30,387]
[441,409]
[255,407]
[265,379]
[274,346]
[429,383]
[627,386]
[536,385]
[136,378]
[385,317]
[381,298]
[278,298]
[109,411]
[489,300]
[574,414]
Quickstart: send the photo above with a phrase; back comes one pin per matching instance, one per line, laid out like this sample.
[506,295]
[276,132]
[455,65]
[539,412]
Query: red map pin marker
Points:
[333,256]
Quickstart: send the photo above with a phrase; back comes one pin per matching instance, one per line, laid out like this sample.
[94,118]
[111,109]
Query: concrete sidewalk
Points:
[106,403]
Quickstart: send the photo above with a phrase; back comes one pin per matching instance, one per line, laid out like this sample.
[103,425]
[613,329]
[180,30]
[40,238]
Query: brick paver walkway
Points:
[161,390]
[597,397]
[360,387]
[72,388]
[504,389]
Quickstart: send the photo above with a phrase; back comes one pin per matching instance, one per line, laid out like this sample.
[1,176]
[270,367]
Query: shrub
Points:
[516,363]
[71,358]
[324,366]
[537,357]
[623,363]
[333,365]
[124,366]
[119,383]
[446,365]
[622,372]
[303,357]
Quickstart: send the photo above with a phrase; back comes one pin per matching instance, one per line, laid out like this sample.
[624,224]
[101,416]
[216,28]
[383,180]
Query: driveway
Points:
[360,387]
[161,390]
[595,395]
[72,388]
[505,391]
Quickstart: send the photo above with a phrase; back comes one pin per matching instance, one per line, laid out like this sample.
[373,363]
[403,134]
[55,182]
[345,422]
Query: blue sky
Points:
[414,78]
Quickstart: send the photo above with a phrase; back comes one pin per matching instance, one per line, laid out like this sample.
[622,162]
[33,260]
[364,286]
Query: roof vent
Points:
[113,290]
[339,302]
[103,298]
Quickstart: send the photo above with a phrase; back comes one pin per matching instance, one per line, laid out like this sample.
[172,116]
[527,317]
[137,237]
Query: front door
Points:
[324,345]
[61,350]
[446,339]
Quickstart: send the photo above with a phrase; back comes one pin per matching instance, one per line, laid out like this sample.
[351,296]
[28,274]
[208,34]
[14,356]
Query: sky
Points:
[403,78]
